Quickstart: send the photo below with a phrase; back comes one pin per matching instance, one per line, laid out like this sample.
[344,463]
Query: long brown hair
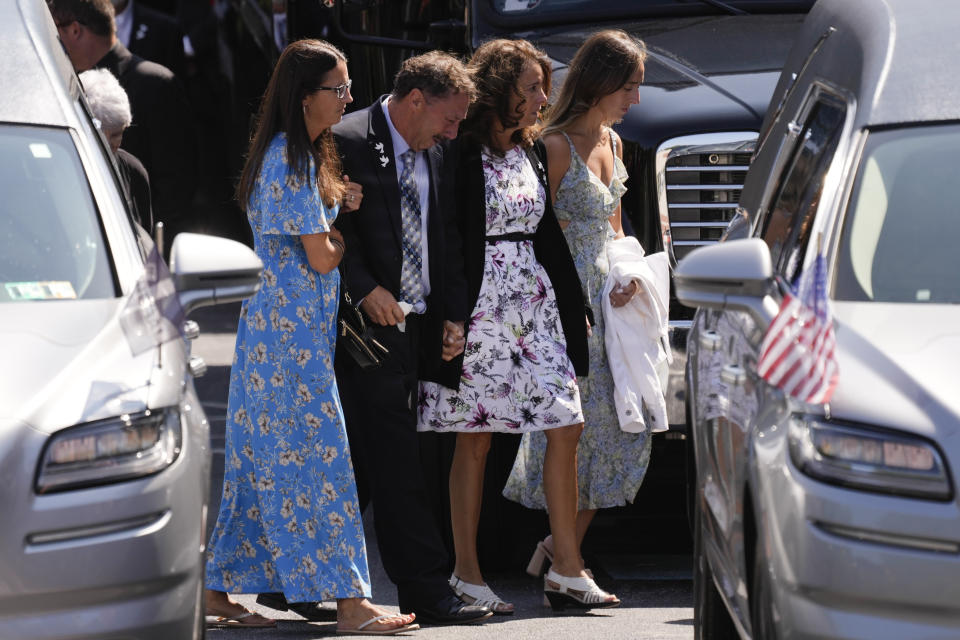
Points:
[300,70]
[496,67]
[602,65]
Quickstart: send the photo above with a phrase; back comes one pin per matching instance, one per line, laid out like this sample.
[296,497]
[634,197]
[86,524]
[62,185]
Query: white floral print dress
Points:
[517,376]
[289,518]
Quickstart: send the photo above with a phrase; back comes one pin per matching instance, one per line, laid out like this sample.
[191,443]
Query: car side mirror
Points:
[210,270]
[733,275]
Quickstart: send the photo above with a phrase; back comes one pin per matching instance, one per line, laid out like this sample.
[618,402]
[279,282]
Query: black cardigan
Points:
[549,245]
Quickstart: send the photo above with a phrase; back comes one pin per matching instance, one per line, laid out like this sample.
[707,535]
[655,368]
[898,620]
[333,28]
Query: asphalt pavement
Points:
[652,581]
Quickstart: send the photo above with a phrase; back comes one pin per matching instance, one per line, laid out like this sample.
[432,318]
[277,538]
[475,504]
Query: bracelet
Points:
[339,245]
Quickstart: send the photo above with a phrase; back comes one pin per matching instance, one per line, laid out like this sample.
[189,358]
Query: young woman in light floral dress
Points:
[289,518]
[526,339]
[587,178]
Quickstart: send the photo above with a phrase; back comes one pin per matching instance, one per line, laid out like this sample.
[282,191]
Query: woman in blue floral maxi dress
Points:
[289,518]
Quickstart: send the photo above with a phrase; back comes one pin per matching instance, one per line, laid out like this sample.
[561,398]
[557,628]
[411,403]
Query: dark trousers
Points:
[380,410]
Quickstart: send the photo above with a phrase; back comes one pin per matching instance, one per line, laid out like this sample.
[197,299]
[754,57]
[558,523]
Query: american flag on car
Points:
[797,354]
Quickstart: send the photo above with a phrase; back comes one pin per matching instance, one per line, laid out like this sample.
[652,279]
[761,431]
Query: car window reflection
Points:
[899,238]
[51,243]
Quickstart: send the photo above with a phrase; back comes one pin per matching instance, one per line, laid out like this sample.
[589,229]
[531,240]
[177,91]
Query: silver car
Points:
[104,452]
[838,520]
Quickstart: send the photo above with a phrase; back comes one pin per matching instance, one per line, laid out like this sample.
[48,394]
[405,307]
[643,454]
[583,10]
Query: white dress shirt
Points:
[124,21]
[421,174]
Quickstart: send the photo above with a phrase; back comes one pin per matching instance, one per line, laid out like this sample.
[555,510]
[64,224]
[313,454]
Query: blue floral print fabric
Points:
[289,518]
[517,375]
[611,463]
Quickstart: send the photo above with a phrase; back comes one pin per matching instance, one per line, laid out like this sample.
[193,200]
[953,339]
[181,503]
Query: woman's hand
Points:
[621,295]
[353,196]
[589,327]
[453,340]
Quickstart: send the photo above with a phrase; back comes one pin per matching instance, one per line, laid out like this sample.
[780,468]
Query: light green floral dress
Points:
[610,463]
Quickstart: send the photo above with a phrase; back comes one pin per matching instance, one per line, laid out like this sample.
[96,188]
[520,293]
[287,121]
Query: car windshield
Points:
[51,242]
[899,238]
[601,8]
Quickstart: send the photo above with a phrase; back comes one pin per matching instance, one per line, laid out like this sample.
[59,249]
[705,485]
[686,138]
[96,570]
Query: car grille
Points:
[699,180]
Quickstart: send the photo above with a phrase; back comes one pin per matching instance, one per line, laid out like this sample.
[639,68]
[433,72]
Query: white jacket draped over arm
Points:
[638,346]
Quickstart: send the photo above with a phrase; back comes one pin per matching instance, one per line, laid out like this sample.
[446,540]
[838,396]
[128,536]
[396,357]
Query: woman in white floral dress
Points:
[587,179]
[526,339]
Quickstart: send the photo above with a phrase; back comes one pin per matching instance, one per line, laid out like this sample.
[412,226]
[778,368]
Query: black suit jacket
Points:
[549,245]
[157,37]
[373,232]
[162,134]
[137,183]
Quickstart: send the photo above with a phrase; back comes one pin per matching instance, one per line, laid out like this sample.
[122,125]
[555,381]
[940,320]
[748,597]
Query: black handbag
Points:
[354,336]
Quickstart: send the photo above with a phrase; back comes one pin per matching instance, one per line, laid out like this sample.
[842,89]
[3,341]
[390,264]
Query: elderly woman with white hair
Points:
[111,109]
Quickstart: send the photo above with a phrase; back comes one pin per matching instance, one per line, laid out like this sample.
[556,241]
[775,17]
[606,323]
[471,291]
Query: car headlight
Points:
[868,458]
[123,448]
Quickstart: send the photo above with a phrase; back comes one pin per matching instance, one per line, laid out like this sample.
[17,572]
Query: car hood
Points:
[898,366]
[718,71]
[69,362]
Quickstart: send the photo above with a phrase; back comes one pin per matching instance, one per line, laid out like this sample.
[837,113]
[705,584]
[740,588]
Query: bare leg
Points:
[560,489]
[584,518]
[466,494]
[353,612]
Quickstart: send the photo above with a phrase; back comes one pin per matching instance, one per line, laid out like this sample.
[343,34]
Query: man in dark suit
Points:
[403,262]
[150,34]
[161,135]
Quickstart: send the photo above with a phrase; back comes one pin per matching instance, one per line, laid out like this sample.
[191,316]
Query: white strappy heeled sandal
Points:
[481,595]
[578,593]
[546,600]
[541,559]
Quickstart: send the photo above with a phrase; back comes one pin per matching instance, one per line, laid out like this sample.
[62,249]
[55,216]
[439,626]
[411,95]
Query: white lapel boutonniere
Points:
[384,160]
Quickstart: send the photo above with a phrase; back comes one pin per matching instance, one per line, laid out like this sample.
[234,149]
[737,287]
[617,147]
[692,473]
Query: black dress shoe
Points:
[312,611]
[448,610]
